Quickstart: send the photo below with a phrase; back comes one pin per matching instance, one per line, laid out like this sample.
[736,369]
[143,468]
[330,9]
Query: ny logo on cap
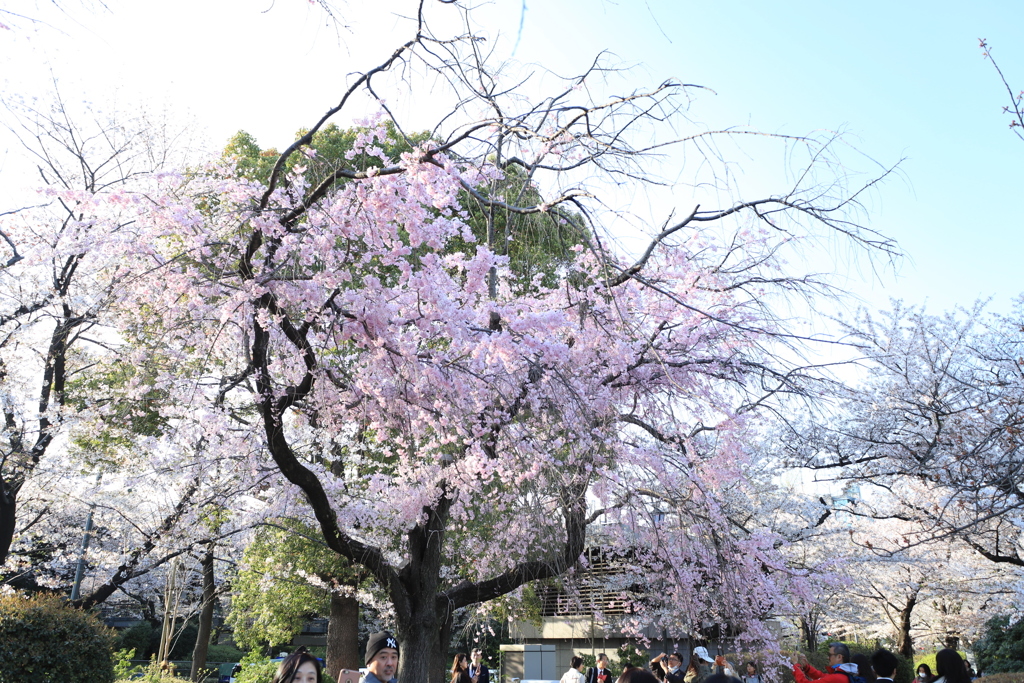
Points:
[392,643]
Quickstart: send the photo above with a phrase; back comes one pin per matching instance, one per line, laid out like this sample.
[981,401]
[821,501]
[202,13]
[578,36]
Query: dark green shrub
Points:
[1002,678]
[136,638]
[184,643]
[629,655]
[224,653]
[45,641]
[905,670]
[1001,648]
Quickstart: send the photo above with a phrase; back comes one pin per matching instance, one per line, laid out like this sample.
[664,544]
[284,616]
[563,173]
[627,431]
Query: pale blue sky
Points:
[902,79]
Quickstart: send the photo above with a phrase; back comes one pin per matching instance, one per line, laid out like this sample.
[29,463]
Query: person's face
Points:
[384,664]
[751,670]
[463,664]
[673,661]
[920,671]
[834,657]
[477,656]
[602,663]
[306,673]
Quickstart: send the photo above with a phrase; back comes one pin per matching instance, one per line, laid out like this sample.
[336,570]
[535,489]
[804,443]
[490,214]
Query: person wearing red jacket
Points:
[840,668]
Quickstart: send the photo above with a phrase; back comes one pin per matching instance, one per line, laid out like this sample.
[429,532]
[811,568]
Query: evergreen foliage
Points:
[273,594]
[136,638]
[44,640]
[1001,649]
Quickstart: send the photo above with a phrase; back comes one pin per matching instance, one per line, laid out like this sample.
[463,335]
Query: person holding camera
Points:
[671,666]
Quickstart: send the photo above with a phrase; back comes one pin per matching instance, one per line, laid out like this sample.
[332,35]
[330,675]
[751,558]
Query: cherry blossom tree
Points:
[51,292]
[355,354]
[933,435]
[77,444]
[937,593]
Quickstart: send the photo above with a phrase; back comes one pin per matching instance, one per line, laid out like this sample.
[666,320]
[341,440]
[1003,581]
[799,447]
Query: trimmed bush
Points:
[256,670]
[224,653]
[44,640]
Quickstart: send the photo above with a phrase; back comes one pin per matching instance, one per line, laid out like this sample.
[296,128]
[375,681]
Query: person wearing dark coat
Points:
[478,671]
[600,673]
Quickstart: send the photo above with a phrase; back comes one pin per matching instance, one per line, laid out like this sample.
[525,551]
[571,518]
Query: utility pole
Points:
[76,589]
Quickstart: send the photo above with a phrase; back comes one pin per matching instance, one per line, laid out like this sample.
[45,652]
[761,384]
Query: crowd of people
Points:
[842,668]
[665,668]
[950,667]
[382,665]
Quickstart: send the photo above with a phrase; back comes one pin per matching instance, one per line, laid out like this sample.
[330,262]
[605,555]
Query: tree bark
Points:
[421,657]
[343,634]
[8,517]
[904,641]
[205,618]
[808,634]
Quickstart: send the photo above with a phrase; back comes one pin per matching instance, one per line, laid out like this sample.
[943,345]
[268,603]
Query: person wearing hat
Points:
[704,663]
[381,658]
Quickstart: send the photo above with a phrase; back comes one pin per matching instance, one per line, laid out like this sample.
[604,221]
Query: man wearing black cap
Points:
[381,658]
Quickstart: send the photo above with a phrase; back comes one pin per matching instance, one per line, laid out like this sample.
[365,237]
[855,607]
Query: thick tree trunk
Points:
[205,619]
[343,634]
[422,656]
[904,641]
[445,640]
[421,611]
[8,518]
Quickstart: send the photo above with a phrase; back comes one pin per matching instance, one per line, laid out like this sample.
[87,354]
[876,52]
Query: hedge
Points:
[43,640]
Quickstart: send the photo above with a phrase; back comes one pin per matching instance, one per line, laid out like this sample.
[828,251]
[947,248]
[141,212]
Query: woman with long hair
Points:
[691,671]
[949,666]
[924,674]
[864,667]
[460,669]
[299,667]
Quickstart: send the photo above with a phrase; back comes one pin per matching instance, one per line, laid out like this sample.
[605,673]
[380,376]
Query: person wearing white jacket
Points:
[575,672]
